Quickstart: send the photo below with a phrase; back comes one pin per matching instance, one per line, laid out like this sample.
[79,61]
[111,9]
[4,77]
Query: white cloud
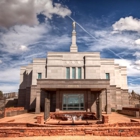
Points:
[10,75]
[123,62]
[132,70]
[127,24]
[49,9]
[137,62]
[12,40]
[23,48]
[137,42]
[0,61]
[105,39]
[24,12]
[122,44]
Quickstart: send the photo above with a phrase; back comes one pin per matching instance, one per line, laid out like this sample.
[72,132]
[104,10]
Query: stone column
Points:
[99,106]
[108,106]
[89,101]
[93,102]
[47,109]
[57,101]
[37,109]
[104,101]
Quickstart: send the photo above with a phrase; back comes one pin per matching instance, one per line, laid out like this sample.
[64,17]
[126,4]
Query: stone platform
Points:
[25,126]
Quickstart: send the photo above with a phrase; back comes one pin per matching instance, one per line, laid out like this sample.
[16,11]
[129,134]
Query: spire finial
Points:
[73,47]
[74,23]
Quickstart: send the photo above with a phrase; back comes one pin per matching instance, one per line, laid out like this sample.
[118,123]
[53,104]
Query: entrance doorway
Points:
[73,102]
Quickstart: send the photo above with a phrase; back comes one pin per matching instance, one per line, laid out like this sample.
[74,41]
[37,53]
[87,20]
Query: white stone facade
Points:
[93,67]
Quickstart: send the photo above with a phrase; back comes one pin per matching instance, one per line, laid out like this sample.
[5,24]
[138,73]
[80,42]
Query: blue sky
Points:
[31,28]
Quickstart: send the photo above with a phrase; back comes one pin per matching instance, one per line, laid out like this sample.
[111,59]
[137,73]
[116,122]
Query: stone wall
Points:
[22,97]
[130,111]
[26,130]
[12,111]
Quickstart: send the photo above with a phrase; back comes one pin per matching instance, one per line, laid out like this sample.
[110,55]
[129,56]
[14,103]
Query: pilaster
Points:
[37,109]
[89,101]
[118,99]
[47,109]
[57,101]
[100,106]
[108,106]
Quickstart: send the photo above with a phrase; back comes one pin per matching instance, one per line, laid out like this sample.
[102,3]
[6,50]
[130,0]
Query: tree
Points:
[1,94]
[133,93]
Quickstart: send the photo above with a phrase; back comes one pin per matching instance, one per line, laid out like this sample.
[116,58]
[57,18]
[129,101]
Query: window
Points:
[39,75]
[79,73]
[67,73]
[73,73]
[73,102]
[107,76]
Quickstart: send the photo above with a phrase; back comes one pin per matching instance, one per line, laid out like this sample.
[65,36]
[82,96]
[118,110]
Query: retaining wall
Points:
[130,111]
[12,111]
[120,129]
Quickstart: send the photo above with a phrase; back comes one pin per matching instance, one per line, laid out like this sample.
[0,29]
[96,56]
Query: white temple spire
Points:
[73,47]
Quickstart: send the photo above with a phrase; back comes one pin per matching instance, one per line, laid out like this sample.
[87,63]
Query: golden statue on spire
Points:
[74,23]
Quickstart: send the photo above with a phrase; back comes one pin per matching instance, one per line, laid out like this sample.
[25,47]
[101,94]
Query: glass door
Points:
[73,102]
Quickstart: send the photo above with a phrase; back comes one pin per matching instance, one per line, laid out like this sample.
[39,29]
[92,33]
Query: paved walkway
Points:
[24,118]
[119,118]
[73,138]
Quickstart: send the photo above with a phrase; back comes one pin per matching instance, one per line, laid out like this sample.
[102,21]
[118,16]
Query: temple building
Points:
[73,81]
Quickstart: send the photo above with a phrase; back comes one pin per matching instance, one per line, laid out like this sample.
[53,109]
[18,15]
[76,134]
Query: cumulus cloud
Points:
[24,12]
[23,48]
[137,62]
[49,9]
[127,24]
[137,42]
[12,40]
[132,69]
